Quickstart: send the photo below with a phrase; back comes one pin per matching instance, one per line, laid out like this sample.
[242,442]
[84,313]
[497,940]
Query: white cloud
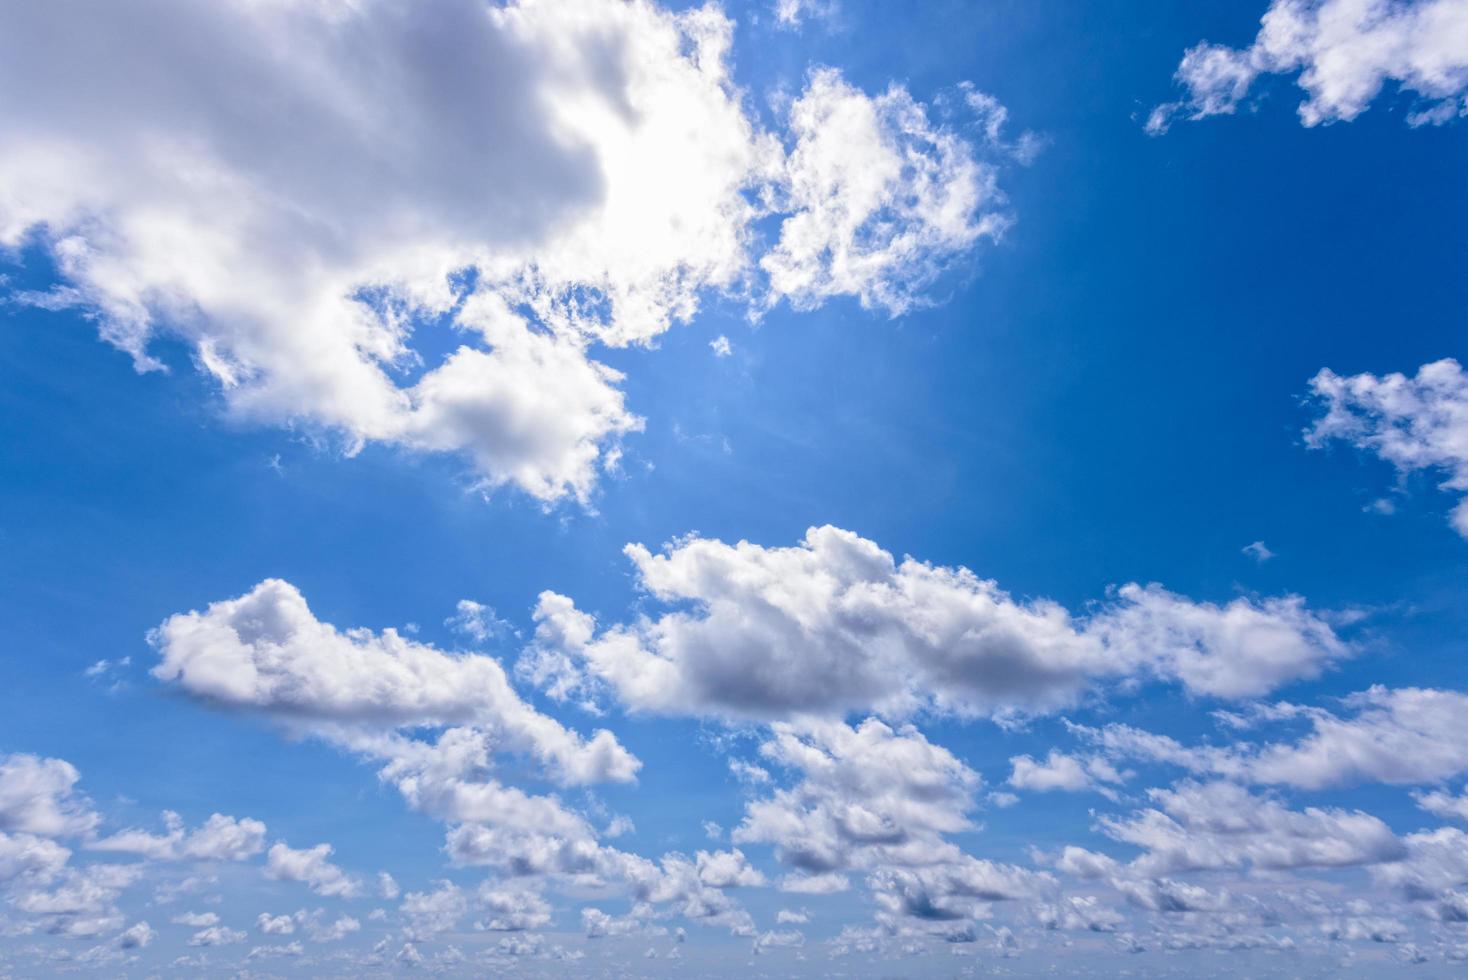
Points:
[1258,551]
[197,920]
[329,932]
[313,867]
[772,938]
[275,925]
[814,884]
[1060,771]
[304,194]
[511,909]
[720,346]
[217,936]
[37,796]
[792,13]
[477,621]
[1216,826]
[880,801]
[727,869]
[836,624]
[1401,736]
[220,838]
[1343,52]
[289,949]
[880,200]
[267,651]
[1445,805]
[428,913]
[1414,423]
[137,936]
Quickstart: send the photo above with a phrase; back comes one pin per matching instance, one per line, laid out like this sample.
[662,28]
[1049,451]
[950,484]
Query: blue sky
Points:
[400,308]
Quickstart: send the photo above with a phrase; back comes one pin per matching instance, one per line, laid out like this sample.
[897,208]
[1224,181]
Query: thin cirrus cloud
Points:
[1342,52]
[300,191]
[836,624]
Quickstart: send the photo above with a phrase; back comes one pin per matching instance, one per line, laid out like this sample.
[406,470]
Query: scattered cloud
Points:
[1342,53]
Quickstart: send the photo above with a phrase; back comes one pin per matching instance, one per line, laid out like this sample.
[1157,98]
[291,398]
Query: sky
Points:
[781,488]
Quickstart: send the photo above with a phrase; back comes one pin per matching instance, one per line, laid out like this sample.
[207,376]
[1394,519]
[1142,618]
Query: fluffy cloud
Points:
[38,802]
[1414,423]
[275,925]
[836,624]
[37,796]
[313,867]
[879,199]
[866,795]
[137,936]
[1400,736]
[1343,52]
[220,838]
[305,194]
[429,913]
[217,936]
[267,651]
[511,910]
[372,694]
[882,801]
[1217,826]
[1060,771]
[1445,805]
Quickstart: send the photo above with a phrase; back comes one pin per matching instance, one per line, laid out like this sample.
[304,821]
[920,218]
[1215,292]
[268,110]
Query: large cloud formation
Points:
[307,193]
[836,624]
[1344,52]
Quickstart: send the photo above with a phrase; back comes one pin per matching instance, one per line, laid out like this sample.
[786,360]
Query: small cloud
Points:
[748,772]
[721,346]
[790,14]
[618,826]
[1258,552]
[478,621]
[1381,506]
[712,830]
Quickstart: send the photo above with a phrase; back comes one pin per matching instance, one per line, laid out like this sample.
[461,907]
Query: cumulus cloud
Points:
[836,624]
[1219,825]
[881,801]
[137,936]
[879,199]
[1445,805]
[38,796]
[220,838]
[313,867]
[1401,736]
[373,694]
[1059,771]
[511,909]
[309,195]
[1342,53]
[267,651]
[275,925]
[217,936]
[1414,423]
